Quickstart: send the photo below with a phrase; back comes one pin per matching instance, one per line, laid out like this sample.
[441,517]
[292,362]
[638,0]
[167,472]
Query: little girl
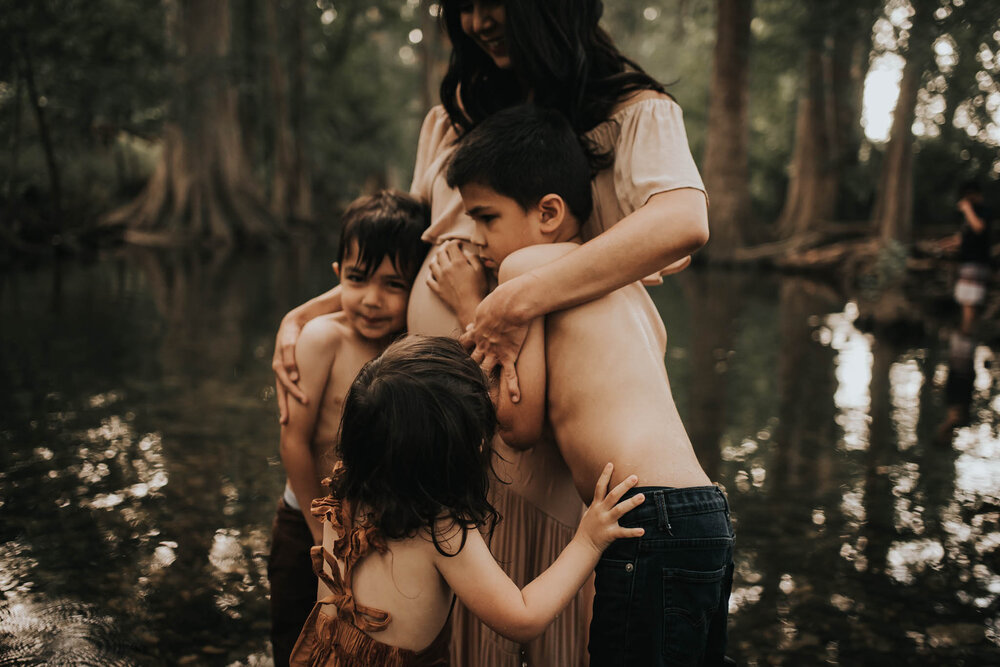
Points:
[402,522]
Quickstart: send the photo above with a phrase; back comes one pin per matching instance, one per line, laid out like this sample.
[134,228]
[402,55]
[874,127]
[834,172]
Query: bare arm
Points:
[317,352]
[521,423]
[671,226]
[969,212]
[283,362]
[523,614]
[459,279]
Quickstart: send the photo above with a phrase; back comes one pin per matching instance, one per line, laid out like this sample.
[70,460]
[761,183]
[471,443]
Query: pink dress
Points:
[540,505]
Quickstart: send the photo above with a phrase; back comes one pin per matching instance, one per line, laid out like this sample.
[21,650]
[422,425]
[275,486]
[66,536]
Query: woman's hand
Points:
[676,267]
[286,371]
[497,333]
[599,525]
[458,278]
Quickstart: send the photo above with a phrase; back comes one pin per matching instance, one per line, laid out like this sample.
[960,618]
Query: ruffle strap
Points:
[367,618]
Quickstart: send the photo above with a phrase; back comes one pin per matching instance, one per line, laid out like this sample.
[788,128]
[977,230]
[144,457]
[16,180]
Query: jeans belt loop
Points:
[661,512]
[725,500]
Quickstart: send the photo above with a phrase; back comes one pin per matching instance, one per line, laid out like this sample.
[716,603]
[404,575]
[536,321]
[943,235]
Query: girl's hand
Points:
[599,525]
[497,334]
[286,371]
[458,278]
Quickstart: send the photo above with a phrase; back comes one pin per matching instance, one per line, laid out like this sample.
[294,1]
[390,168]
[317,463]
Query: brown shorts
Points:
[293,584]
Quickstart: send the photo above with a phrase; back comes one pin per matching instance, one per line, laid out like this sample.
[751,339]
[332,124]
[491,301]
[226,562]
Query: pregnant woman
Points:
[650,214]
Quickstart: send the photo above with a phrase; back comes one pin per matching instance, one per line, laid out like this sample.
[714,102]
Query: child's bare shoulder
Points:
[531,257]
[323,335]
[448,540]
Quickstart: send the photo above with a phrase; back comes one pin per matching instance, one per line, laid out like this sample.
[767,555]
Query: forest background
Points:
[241,122]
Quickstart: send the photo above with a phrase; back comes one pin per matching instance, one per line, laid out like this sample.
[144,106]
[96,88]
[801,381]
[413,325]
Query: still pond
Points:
[139,464]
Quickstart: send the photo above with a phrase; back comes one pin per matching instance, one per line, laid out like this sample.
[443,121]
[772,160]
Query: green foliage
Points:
[105,72]
[672,40]
[98,67]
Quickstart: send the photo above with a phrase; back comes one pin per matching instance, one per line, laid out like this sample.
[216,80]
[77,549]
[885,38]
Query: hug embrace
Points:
[558,497]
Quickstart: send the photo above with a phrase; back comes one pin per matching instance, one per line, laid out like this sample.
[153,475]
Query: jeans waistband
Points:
[678,502]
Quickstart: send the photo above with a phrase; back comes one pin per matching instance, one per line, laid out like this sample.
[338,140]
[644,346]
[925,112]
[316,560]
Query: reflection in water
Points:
[854,374]
[138,465]
[138,432]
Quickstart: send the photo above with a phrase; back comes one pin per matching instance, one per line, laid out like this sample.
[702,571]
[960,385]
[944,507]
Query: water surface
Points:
[139,468]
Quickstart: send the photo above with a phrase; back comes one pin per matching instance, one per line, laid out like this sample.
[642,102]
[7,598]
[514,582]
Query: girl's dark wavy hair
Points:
[415,440]
[560,53]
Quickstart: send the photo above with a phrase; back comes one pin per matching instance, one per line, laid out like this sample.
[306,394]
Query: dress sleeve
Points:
[652,153]
[434,134]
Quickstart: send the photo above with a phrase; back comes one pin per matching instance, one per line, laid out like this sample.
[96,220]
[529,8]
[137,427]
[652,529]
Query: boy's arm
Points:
[458,278]
[977,223]
[316,353]
[520,424]
[283,362]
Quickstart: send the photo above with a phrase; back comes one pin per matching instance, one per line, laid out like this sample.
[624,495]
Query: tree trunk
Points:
[51,165]
[10,187]
[892,218]
[849,67]
[812,185]
[300,181]
[201,190]
[280,186]
[726,170]
[893,213]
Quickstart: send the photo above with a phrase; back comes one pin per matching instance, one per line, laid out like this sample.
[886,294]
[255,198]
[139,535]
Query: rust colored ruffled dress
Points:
[342,640]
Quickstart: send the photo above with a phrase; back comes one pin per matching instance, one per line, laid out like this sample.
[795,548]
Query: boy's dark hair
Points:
[416,440]
[388,223]
[969,188]
[526,152]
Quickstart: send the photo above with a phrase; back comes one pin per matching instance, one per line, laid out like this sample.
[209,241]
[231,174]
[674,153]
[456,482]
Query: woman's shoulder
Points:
[436,134]
[642,99]
[436,122]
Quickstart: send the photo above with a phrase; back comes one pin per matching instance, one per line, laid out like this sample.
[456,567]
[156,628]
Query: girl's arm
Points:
[283,364]
[523,614]
[670,226]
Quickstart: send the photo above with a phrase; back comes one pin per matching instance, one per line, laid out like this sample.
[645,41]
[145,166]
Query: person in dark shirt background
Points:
[973,253]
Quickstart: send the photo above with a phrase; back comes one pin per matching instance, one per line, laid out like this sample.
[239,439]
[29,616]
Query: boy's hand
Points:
[286,371]
[497,336]
[458,278]
[599,525]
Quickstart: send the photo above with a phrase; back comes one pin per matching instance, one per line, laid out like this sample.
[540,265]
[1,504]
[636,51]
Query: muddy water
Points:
[139,470]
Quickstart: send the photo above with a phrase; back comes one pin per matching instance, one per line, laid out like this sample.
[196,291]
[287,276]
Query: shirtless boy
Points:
[592,378]
[379,255]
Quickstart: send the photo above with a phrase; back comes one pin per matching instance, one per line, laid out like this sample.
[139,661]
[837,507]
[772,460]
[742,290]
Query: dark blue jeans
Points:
[663,598]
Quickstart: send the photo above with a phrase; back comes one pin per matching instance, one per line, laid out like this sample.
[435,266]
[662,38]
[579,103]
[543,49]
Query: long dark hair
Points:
[415,440]
[557,50]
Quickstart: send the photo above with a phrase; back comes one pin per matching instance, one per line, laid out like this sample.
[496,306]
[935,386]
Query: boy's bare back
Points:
[607,397]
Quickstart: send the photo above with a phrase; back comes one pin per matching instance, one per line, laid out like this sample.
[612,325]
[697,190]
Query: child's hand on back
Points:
[599,525]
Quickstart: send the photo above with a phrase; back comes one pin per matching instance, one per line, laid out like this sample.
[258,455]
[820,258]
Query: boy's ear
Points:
[553,211]
[336,269]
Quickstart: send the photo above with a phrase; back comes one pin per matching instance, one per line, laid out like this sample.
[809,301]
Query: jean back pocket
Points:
[690,601]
